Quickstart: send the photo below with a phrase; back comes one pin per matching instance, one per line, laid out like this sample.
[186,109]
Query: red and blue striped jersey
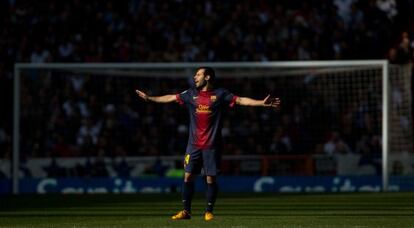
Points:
[206,110]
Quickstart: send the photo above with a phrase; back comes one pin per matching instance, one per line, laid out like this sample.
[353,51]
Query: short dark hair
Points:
[208,71]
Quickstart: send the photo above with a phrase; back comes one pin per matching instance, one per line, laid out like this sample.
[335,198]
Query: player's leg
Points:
[212,191]
[187,196]
[192,167]
[211,162]
[188,191]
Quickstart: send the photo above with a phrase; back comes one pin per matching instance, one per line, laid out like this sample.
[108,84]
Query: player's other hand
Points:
[273,102]
[141,94]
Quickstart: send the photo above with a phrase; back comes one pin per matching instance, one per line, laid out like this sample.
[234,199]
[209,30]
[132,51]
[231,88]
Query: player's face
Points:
[200,79]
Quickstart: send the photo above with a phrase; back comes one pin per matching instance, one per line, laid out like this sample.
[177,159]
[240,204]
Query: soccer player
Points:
[206,105]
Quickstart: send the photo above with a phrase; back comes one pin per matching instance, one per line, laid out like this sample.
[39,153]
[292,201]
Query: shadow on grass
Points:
[251,214]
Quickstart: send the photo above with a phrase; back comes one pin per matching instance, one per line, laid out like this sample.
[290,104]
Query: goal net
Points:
[86,120]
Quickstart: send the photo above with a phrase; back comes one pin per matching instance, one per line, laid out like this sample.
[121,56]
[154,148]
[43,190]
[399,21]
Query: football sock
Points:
[212,190]
[188,190]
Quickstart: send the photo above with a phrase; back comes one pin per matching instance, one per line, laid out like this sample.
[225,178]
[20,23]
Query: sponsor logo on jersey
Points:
[203,109]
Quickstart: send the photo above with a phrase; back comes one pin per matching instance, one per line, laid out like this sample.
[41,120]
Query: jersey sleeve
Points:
[229,98]
[184,97]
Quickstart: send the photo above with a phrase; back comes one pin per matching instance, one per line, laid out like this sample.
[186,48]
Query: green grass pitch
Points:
[359,210]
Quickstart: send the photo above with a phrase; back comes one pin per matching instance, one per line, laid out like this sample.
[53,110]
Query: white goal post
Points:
[383,65]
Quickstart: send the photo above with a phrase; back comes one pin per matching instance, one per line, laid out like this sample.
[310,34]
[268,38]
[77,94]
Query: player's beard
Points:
[201,85]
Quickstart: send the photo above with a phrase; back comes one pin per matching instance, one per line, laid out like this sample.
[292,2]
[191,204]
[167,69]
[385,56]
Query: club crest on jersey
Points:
[213,98]
[194,97]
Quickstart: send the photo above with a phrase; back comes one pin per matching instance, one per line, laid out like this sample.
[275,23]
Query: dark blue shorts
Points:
[207,160]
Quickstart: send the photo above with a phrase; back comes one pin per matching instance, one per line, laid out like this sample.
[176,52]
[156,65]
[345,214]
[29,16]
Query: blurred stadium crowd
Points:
[83,124]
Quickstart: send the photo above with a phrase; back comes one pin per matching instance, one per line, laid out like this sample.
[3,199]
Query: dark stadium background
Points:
[149,31]
[193,31]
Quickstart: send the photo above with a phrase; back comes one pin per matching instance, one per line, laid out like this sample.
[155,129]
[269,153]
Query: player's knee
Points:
[188,177]
[211,179]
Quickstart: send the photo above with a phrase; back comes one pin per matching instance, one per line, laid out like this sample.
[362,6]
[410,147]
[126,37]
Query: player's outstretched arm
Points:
[157,99]
[268,101]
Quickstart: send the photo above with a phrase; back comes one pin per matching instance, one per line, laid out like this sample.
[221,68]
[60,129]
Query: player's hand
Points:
[273,102]
[141,94]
